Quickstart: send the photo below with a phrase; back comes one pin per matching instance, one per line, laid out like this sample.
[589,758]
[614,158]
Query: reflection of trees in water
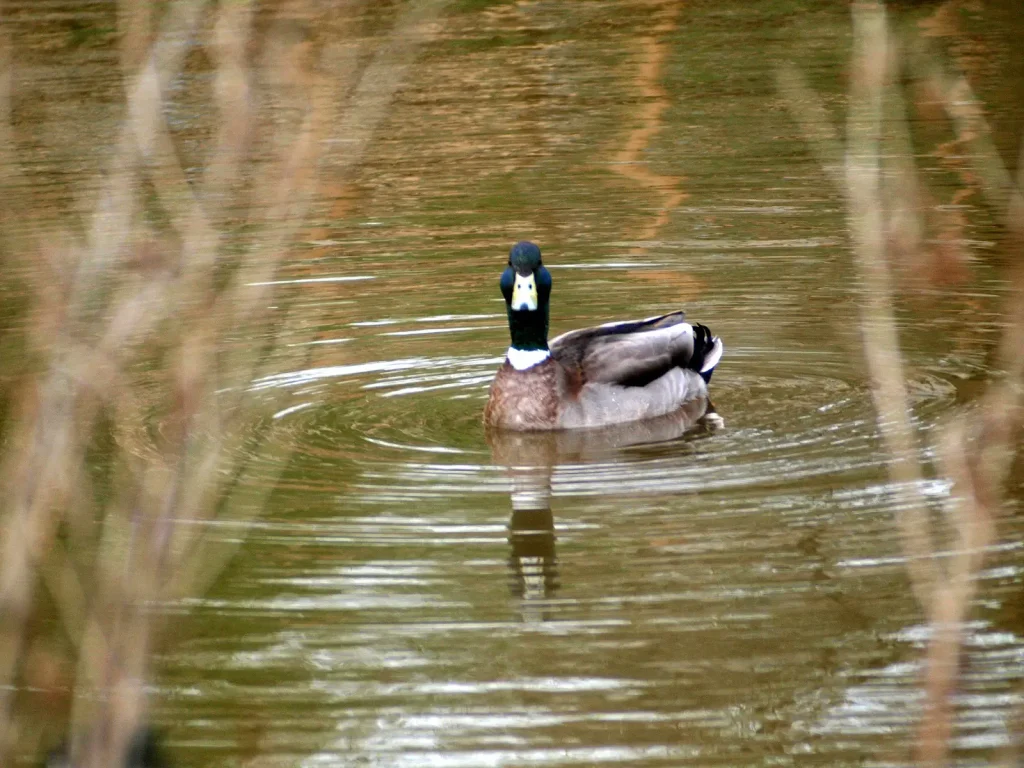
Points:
[629,161]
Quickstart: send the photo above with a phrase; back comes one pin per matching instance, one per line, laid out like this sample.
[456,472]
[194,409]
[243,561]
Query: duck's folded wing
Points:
[600,405]
[628,354]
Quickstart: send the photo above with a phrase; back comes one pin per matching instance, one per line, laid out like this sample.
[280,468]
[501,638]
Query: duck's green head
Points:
[526,285]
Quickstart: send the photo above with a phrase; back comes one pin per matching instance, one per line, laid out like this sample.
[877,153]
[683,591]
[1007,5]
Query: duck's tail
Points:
[707,351]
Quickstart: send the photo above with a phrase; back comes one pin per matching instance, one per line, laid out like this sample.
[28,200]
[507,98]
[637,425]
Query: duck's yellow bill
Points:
[524,292]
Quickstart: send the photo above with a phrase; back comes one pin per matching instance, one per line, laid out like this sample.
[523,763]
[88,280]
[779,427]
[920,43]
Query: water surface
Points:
[713,596]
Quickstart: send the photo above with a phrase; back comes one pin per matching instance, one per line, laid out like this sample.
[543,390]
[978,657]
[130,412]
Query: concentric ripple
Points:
[413,427]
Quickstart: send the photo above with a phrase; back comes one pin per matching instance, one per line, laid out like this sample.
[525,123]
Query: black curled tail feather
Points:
[703,345]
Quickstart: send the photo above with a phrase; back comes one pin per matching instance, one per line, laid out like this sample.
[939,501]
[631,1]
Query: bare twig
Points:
[878,323]
[808,110]
[976,450]
[141,540]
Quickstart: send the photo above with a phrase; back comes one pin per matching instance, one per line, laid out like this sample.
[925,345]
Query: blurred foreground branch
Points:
[978,446]
[125,427]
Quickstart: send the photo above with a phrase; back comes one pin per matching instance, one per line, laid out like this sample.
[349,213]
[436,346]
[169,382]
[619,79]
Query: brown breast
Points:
[524,400]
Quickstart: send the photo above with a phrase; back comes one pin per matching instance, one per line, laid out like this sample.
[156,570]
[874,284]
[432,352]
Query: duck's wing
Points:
[635,353]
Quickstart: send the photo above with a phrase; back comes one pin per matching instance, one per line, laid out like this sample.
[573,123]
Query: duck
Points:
[610,374]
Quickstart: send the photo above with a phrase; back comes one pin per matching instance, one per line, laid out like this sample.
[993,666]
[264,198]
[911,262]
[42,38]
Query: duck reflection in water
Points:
[531,459]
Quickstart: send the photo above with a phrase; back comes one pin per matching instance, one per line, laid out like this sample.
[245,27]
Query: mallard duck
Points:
[593,377]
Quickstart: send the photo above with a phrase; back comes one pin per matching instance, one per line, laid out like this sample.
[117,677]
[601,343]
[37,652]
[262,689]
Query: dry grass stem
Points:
[131,339]
[968,117]
[978,446]
[814,120]
[878,321]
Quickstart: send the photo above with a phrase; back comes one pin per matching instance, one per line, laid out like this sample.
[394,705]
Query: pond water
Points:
[719,596]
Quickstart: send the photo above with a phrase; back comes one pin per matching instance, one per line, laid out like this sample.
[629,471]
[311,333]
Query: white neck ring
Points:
[521,359]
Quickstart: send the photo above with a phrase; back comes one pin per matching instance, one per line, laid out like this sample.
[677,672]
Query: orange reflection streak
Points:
[628,161]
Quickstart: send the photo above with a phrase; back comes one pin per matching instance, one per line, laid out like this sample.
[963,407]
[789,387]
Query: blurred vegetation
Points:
[138,308]
[896,229]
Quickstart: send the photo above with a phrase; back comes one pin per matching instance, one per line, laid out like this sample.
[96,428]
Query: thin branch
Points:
[878,322]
